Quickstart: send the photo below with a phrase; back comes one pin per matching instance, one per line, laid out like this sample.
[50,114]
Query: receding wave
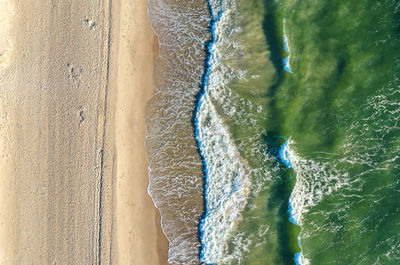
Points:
[175,181]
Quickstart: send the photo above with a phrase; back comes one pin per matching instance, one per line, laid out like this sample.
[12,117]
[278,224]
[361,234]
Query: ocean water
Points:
[288,144]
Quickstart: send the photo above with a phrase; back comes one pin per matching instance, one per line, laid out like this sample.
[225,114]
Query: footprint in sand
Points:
[88,23]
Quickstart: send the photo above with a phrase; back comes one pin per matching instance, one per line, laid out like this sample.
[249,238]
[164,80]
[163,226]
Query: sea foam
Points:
[175,182]
[286,60]
[227,184]
[314,181]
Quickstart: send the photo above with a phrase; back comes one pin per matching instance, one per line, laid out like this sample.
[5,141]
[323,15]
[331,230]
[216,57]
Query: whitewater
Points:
[226,179]
[261,150]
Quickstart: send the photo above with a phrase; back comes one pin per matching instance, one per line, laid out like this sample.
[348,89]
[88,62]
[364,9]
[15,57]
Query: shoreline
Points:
[197,104]
[135,48]
[175,175]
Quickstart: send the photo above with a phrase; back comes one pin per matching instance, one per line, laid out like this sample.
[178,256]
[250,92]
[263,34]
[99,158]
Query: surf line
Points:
[287,157]
[286,60]
[208,46]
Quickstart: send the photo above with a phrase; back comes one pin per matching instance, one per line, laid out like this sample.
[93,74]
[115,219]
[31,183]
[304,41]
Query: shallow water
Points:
[175,178]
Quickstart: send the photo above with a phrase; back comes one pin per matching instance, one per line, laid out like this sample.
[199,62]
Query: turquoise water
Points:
[297,125]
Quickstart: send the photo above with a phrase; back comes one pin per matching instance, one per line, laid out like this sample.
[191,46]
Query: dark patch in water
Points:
[281,189]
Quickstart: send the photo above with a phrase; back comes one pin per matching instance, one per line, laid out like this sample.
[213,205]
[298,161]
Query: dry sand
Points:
[74,79]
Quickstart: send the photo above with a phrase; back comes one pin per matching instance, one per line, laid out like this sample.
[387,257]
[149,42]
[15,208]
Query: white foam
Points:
[227,184]
[285,39]
[227,180]
[300,259]
[286,60]
[314,181]
[175,183]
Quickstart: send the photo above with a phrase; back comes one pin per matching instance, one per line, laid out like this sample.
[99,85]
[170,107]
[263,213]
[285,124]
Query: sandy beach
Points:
[74,80]
[138,238]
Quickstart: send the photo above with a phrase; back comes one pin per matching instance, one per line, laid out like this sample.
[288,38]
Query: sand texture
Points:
[138,238]
[73,177]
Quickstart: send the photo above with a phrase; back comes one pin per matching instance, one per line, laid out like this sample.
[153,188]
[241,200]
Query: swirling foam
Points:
[175,182]
[314,181]
[227,184]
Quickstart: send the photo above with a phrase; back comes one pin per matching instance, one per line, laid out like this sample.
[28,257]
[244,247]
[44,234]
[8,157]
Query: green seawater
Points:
[340,111]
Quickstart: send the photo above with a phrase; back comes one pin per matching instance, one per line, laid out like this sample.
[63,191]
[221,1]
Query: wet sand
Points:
[72,163]
[137,233]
